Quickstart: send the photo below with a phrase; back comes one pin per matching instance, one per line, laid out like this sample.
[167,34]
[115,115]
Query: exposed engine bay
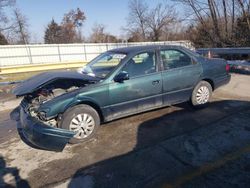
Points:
[44,87]
[47,93]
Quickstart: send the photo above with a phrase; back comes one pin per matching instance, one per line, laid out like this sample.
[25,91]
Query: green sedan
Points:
[69,106]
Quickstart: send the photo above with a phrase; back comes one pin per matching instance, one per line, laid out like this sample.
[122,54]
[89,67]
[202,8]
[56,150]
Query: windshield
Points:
[102,65]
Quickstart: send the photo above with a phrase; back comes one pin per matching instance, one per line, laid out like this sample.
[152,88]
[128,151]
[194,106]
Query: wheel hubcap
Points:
[202,95]
[83,125]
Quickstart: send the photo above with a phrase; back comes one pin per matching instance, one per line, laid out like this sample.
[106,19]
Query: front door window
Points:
[141,64]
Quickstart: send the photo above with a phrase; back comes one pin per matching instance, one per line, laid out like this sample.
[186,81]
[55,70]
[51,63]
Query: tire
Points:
[201,94]
[82,119]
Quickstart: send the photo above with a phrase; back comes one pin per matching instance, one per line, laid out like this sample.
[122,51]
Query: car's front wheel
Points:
[201,94]
[83,120]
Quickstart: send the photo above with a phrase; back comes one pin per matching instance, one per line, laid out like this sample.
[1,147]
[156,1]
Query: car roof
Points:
[132,49]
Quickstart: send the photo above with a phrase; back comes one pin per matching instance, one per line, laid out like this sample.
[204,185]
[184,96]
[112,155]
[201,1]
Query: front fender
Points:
[84,100]
[57,105]
[98,96]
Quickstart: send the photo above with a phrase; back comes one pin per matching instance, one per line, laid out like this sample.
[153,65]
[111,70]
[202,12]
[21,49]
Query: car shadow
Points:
[16,180]
[135,168]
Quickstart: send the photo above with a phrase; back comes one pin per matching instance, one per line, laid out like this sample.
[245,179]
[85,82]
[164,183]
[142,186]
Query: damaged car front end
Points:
[45,98]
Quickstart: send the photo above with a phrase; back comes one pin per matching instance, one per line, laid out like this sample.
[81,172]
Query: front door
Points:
[143,89]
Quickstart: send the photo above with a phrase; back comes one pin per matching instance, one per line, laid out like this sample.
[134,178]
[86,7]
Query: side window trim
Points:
[144,75]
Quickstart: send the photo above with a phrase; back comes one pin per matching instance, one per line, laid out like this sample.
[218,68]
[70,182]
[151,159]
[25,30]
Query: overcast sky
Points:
[111,13]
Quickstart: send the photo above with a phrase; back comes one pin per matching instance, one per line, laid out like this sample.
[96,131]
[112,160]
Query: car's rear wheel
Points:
[83,120]
[201,94]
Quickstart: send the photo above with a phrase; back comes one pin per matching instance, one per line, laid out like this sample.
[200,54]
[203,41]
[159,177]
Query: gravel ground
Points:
[170,147]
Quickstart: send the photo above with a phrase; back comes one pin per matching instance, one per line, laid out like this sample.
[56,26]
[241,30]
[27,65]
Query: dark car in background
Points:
[62,107]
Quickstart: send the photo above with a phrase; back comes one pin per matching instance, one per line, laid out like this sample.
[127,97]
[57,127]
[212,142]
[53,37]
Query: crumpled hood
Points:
[36,82]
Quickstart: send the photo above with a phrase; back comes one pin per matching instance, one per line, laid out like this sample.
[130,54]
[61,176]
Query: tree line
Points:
[206,23]
[218,23]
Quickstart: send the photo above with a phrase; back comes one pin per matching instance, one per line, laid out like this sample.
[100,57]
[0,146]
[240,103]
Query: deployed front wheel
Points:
[83,120]
[201,94]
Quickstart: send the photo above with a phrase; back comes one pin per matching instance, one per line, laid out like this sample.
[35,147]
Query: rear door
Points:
[180,74]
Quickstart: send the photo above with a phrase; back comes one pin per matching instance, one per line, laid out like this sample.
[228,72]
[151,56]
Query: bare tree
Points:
[145,24]
[3,40]
[213,18]
[4,21]
[199,11]
[242,26]
[225,15]
[159,19]
[219,18]
[215,15]
[134,36]
[136,21]
[244,6]
[21,28]
[99,35]
[233,15]
[5,24]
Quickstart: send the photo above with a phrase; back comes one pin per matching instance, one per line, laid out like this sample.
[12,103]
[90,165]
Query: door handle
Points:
[156,82]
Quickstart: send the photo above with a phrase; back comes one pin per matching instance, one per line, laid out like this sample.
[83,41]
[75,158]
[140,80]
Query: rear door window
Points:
[174,59]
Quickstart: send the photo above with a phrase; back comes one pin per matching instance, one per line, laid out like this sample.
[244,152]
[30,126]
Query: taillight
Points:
[227,67]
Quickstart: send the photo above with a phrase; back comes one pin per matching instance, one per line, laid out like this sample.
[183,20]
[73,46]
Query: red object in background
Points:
[227,67]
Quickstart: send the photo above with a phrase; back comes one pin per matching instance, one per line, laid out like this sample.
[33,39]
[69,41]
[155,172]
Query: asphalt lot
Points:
[171,147]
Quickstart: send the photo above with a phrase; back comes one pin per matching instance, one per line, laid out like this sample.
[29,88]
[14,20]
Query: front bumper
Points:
[39,135]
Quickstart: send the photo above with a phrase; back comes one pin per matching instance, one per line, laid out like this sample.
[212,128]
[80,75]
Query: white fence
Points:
[11,55]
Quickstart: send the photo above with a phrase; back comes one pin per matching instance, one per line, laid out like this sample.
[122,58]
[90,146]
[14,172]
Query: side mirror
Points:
[121,77]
